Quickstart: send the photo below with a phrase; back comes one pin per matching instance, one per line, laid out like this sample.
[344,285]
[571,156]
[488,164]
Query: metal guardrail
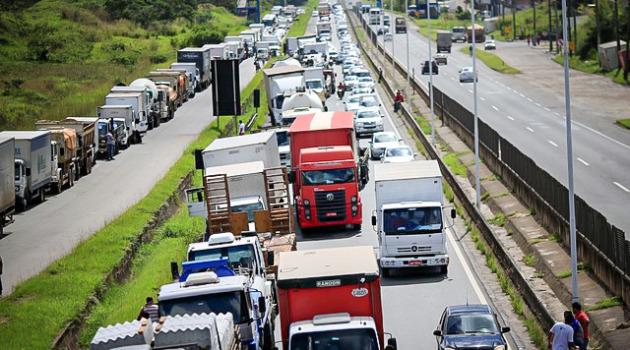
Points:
[507,262]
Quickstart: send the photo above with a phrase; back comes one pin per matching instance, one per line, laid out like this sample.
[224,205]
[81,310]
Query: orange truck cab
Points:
[326,172]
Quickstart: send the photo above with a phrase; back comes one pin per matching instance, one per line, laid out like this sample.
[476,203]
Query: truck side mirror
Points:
[437,333]
[291,176]
[28,172]
[453,213]
[262,307]
[505,329]
[373,220]
[198,159]
[391,342]
[174,270]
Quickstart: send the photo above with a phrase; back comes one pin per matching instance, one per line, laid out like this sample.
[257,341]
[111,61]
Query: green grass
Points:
[525,20]
[452,161]
[60,292]
[605,304]
[425,124]
[87,53]
[448,192]
[500,219]
[493,61]
[298,28]
[564,274]
[122,301]
[445,22]
[529,260]
[591,66]
[624,122]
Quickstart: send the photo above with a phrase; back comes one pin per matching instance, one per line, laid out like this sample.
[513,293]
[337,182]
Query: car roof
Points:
[468,309]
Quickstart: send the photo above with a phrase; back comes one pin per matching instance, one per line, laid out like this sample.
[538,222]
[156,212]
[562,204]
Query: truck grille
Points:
[419,250]
[330,210]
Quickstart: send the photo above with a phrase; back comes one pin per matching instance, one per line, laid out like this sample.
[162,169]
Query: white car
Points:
[466,75]
[490,45]
[315,14]
[398,154]
[380,141]
[369,101]
[366,82]
[360,72]
[350,82]
[368,121]
[359,90]
[353,101]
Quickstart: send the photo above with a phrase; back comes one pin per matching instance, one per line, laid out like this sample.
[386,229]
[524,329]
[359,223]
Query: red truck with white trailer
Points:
[331,299]
[326,171]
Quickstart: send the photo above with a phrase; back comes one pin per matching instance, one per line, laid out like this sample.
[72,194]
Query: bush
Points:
[62,44]
[158,58]
[121,53]
[464,15]
[201,35]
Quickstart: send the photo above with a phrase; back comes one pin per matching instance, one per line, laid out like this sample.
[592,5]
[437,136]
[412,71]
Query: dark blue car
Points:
[470,327]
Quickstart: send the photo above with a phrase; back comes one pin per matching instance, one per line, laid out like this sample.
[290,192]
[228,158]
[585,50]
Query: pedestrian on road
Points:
[561,334]
[578,332]
[110,145]
[538,38]
[529,40]
[582,317]
[0,276]
[241,128]
[398,99]
[380,74]
[150,311]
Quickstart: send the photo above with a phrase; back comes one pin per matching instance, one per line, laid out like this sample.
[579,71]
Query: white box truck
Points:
[281,82]
[33,165]
[261,146]
[138,101]
[7,181]
[217,51]
[409,215]
[123,115]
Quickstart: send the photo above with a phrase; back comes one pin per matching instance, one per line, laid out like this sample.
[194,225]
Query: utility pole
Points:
[431,76]
[407,39]
[567,107]
[597,29]
[474,62]
[393,29]
[513,21]
[575,36]
[549,30]
[534,9]
[616,15]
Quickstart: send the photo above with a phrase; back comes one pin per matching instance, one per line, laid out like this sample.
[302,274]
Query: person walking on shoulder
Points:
[561,334]
[149,311]
[398,99]
[582,317]
[111,142]
[241,128]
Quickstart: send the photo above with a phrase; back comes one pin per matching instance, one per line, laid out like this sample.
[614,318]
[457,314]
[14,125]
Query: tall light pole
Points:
[407,39]
[393,25]
[431,77]
[567,107]
[474,62]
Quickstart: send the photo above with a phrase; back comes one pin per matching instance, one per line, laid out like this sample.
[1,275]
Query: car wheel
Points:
[444,270]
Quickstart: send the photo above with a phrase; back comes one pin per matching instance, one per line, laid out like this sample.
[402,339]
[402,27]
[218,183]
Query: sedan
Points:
[380,141]
[441,58]
[398,154]
[490,45]
[466,75]
[366,82]
[470,326]
[368,121]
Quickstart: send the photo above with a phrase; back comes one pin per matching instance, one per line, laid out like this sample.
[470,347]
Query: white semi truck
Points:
[7,181]
[409,215]
[281,82]
[261,146]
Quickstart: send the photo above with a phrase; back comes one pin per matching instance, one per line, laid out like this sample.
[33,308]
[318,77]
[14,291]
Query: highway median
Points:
[493,61]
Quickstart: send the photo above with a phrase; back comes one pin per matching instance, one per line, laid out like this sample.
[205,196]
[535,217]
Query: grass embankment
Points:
[525,20]
[493,61]
[445,22]
[60,58]
[59,293]
[298,28]
[624,122]
[591,67]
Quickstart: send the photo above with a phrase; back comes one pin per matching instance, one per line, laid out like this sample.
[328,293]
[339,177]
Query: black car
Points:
[470,327]
[425,68]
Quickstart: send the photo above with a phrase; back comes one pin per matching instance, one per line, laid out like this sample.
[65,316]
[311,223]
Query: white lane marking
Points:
[621,186]
[453,78]
[546,109]
[529,129]
[523,96]
[510,117]
[582,161]
[553,143]
[482,98]
[530,100]
[469,90]
[538,104]
[467,271]
[516,92]
[493,106]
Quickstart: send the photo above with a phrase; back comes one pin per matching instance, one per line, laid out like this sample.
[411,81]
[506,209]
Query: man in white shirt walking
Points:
[561,334]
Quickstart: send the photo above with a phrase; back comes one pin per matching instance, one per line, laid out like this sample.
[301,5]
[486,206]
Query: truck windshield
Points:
[232,302]
[283,138]
[412,220]
[248,208]
[102,128]
[314,84]
[328,177]
[238,255]
[346,339]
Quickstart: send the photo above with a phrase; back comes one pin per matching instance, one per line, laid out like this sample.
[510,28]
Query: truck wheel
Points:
[444,270]
[59,186]
[42,195]
[385,272]
[71,178]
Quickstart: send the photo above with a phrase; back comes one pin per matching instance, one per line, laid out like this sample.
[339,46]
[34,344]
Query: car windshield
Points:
[380,138]
[231,302]
[368,114]
[102,128]
[328,177]
[458,30]
[118,123]
[347,339]
[412,220]
[249,208]
[238,255]
[362,74]
[398,152]
[354,99]
[314,84]
[369,102]
[471,324]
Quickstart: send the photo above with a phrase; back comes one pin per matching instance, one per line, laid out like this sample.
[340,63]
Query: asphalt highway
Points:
[533,121]
[50,230]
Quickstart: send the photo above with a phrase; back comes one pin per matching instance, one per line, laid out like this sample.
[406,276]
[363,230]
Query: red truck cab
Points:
[325,173]
[330,298]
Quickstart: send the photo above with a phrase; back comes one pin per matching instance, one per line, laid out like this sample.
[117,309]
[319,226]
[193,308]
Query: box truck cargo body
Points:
[7,181]
[261,146]
[200,57]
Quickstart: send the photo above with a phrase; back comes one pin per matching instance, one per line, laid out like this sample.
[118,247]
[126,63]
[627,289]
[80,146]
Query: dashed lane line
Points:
[582,161]
[621,186]
[553,143]
[529,129]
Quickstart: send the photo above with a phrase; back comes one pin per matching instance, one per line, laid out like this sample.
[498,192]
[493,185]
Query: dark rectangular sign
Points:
[226,92]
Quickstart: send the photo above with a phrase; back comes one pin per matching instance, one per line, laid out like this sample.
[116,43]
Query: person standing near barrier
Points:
[241,128]
[398,100]
[582,317]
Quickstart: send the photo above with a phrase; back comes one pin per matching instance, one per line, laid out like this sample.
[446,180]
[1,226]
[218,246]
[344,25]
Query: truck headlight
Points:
[499,347]
[354,208]
[307,202]
[353,199]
